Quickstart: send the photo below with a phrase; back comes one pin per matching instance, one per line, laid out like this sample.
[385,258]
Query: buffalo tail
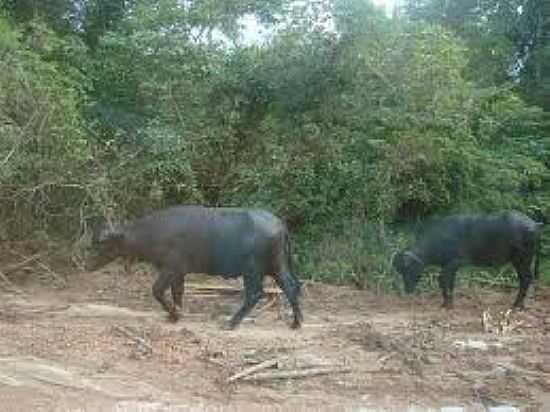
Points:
[294,279]
[538,241]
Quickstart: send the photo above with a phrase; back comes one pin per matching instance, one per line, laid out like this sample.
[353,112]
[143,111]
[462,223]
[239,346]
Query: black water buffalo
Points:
[229,242]
[480,240]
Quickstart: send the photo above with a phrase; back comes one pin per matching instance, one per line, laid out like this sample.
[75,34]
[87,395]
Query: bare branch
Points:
[295,374]
[253,369]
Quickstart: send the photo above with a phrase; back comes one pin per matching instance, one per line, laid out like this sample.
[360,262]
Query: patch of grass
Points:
[359,253]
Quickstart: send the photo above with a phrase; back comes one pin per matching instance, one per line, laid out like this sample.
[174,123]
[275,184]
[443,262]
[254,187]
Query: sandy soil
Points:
[101,343]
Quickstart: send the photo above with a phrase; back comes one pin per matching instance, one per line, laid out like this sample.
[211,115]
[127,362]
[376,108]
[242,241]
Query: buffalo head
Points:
[410,267]
[107,244]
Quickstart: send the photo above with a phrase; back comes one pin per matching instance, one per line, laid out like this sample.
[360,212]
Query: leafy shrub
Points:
[43,147]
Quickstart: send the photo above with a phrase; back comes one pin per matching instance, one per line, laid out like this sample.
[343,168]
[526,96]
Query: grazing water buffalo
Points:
[229,242]
[479,240]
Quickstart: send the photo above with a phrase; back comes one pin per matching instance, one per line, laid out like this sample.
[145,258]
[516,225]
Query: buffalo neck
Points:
[422,251]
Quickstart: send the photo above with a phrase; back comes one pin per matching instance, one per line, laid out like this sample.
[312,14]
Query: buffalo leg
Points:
[253,292]
[444,290]
[524,274]
[446,284]
[163,282]
[291,291]
[178,286]
[451,276]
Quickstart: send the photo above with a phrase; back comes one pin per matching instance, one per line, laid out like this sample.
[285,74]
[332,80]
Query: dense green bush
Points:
[43,143]
[348,124]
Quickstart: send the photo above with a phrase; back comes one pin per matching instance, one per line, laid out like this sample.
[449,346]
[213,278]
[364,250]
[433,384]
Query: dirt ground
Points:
[101,343]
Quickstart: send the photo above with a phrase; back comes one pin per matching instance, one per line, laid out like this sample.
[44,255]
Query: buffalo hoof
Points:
[447,305]
[296,324]
[229,326]
[173,317]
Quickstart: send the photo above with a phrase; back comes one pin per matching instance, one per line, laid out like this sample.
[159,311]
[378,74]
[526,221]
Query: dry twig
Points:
[20,265]
[140,341]
[253,369]
[10,284]
[57,277]
[295,374]
[268,305]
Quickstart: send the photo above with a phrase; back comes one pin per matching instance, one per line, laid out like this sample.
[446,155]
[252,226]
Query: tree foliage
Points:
[44,148]
[505,38]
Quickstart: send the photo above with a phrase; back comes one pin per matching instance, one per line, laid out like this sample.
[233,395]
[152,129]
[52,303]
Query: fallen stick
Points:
[328,325]
[136,339]
[383,359]
[22,264]
[216,361]
[295,374]
[268,305]
[383,371]
[10,284]
[215,289]
[46,268]
[53,274]
[248,371]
